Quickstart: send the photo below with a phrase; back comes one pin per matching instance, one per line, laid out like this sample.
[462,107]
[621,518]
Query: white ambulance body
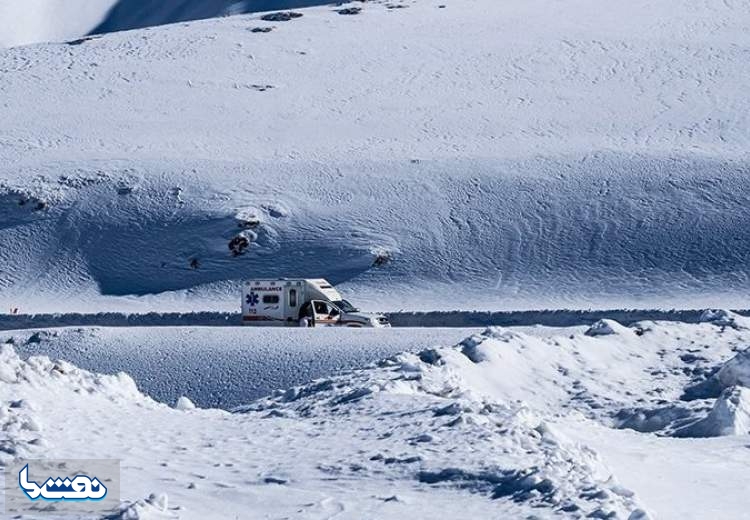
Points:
[301,302]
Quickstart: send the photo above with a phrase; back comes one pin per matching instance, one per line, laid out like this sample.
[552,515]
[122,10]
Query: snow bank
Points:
[20,421]
[477,423]
[725,318]
[735,372]
[426,421]
[223,367]
[184,404]
[607,328]
[529,463]
[729,416]
[41,371]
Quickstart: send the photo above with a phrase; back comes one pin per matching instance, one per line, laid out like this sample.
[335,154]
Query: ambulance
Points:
[301,303]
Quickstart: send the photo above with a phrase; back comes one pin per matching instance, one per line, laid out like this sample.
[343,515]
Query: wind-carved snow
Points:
[561,157]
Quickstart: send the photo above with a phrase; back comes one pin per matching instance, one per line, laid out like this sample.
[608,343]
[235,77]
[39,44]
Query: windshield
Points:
[345,306]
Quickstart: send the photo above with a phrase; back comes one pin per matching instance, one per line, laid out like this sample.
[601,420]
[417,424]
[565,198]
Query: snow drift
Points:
[428,431]
[222,367]
[729,416]
[496,424]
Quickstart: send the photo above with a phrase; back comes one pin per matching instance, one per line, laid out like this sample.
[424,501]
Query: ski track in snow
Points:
[538,156]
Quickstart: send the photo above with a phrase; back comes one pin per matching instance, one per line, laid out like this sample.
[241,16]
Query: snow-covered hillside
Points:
[30,21]
[478,155]
[648,421]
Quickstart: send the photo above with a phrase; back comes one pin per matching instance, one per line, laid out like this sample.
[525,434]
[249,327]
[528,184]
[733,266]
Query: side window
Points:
[292,297]
[271,298]
[320,308]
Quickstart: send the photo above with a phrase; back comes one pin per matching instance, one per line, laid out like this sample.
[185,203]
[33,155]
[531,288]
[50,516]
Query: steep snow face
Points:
[560,157]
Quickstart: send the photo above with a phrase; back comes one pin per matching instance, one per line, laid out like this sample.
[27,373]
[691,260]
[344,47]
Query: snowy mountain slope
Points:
[541,155]
[455,431]
[30,21]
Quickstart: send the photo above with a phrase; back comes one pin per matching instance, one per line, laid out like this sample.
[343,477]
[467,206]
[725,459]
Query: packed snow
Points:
[483,155]
[505,423]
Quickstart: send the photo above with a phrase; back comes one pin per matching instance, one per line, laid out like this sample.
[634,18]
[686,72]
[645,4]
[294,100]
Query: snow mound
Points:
[735,372]
[21,425]
[606,328]
[729,416]
[662,419]
[155,507]
[525,460]
[724,318]
[40,371]
[184,404]
[472,347]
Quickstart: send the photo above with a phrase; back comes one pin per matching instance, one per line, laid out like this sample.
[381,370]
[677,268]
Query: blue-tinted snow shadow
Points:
[155,256]
[137,14]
